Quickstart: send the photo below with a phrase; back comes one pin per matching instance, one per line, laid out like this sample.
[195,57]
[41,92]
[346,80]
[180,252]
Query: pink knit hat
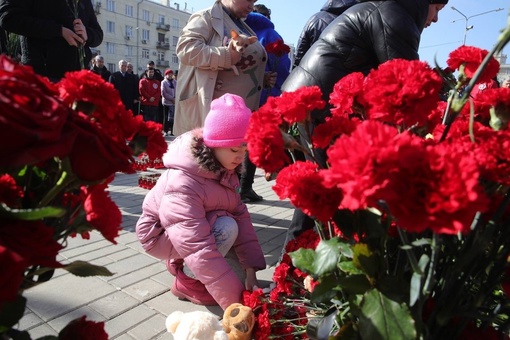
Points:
[226,123]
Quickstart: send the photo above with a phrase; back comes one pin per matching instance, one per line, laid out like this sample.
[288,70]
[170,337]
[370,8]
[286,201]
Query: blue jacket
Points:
[266,34]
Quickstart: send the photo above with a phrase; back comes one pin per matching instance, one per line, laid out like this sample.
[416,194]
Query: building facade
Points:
[139,31]
[504,68]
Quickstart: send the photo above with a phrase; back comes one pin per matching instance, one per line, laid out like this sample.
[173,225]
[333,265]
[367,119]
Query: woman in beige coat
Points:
[207,69]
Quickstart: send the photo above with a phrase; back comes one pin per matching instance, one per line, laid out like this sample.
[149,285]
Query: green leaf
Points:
[325,290]
[348,267]
[84,269]
[303,259]
[11,312]
[328,254]
[385,319]
[417,280]
[355,284]
[422,242]
[30,214]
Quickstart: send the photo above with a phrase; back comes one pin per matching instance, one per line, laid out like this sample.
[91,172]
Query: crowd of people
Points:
[195,218]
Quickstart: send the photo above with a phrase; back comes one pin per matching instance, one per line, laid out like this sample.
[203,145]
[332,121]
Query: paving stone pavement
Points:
[136,300]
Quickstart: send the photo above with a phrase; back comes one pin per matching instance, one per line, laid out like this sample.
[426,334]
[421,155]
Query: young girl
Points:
[194,212]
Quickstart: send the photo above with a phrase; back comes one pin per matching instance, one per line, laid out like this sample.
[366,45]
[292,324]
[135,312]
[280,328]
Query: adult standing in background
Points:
[206,66]
[317,23]
[364,36]
[266,33]
[99,68]
[168,86]
[150,96]
[506,83]
[51,34]
[127,85]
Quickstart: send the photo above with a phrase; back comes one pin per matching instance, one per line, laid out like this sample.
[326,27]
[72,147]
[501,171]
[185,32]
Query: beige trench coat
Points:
[201,56]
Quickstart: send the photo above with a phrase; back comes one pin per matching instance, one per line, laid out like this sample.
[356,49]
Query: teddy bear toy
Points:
[237,324]
[196,325]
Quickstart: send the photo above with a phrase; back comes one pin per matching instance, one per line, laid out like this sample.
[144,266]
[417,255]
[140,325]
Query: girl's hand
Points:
[251,279]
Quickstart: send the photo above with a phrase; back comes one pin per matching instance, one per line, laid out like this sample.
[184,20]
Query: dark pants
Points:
[248,175]
[150,113]
[168,124]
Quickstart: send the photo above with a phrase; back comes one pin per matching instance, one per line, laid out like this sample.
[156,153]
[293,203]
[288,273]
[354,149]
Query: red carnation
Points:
[102,213]
[265,142]
[346,92]
[278,48]
[402,92]
[467,59]
[84,330]
[302,184]
[326,133]
[13,266]
[296,106]
[32,240]
[10,192]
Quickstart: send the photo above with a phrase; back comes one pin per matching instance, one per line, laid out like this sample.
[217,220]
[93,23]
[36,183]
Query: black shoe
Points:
[249,195]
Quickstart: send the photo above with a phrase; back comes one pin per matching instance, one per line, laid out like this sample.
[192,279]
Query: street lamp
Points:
[466,18]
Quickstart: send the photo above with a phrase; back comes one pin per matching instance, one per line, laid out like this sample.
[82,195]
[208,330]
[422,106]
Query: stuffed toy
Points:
[238,322]
[196,325]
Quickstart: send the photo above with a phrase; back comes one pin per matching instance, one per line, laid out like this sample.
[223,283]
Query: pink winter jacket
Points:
[178,213]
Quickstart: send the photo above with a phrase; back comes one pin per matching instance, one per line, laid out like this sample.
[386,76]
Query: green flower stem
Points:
[410,255]
[65,181]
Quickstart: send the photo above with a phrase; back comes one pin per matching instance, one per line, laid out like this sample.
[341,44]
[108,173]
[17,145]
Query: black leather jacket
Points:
[39,22]
[317,23]
[364,36]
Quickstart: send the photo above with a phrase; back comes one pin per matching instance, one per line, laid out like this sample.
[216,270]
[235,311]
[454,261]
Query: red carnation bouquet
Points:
[412,208]
[278,49]
[61,145]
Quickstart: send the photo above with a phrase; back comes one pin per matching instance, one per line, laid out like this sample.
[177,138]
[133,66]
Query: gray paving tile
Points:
[145,290]
[114,304]
[65,294]
[137,276]
[129,265]
[41,331]
[60,322]
[122,323]
[29,320]
[149,329]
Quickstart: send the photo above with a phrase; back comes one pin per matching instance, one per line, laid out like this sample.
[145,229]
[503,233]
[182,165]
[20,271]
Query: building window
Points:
[146,35]
[111,67]
[110,48]
[161,55]
[110,5]
[129,11]
[175,60]
[174,41]
[161,18]
[129,32]
[145,53]
[110,27]
[129,51]
[175,23]
[146,15]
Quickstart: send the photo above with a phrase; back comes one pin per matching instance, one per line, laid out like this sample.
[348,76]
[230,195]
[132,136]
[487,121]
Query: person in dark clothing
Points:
[127,85]
[364,36]
[3,41]
[99,68]
[50,33]
[317,23]
[157,72]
